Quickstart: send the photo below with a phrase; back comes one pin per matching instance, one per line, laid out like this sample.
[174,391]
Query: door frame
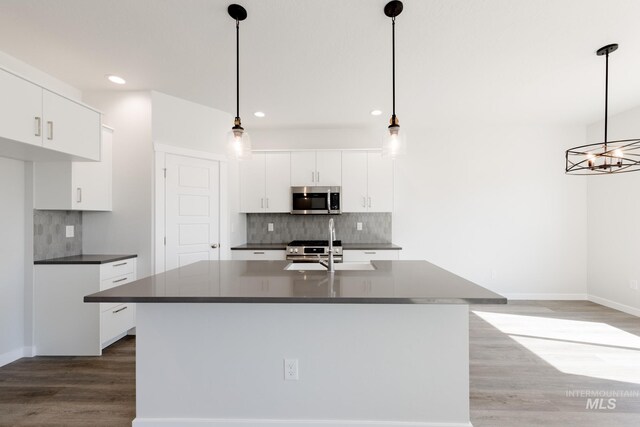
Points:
[159,202]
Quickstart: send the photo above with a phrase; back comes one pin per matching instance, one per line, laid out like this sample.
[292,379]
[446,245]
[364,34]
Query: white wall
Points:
[302,139]
[12,254]
[613,227]
[493,205]
[36,76]
[129,228]
[186,124]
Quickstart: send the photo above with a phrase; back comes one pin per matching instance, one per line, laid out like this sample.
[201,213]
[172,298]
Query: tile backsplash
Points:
[376,227]
[49,234]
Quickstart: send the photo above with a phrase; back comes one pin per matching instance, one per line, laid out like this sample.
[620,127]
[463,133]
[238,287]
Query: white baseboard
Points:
[615,305]
[546,297]
[13,355]
[210,422]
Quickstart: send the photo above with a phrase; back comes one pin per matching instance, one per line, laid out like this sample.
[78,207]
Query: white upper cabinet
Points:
[367,182]
[303,168]
[265,183]
[329,168]
[379,183]
[82,186]
[70,127]
[314,168]
[278,182]
[252,188]
[354,181]
[39,125]
[20,110]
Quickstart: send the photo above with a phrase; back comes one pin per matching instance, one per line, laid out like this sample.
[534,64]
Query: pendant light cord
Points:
[237,68]
[606,101]
[393,61]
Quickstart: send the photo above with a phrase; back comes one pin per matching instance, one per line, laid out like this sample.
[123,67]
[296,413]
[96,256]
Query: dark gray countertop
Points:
[370,246]
[85,259]
[392,282]
[260,247]
[345,246]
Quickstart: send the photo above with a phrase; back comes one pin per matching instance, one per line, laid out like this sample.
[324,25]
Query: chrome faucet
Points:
[332,236]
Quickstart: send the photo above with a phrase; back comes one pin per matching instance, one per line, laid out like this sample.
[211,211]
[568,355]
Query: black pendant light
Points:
[239,143]
[393,144]
[607,157]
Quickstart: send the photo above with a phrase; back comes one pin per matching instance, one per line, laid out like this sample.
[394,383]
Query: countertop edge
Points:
[345,246]
[301,300]
[68,261]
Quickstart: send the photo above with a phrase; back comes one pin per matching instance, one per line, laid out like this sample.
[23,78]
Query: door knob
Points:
[214,246]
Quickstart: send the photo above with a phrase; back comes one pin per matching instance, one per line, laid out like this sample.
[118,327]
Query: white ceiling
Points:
[326,63]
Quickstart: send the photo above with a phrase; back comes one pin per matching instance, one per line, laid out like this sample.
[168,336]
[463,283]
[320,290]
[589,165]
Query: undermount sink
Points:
[345,266]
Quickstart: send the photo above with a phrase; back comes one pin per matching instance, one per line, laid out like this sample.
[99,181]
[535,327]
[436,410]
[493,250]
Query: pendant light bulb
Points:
[394,144]
[238,141]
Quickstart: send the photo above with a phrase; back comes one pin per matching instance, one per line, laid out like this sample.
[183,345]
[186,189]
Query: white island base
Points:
[222,364]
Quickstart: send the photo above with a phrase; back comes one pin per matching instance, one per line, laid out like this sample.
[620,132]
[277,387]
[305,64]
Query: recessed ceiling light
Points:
[376,112]
[116,79]
[259,114]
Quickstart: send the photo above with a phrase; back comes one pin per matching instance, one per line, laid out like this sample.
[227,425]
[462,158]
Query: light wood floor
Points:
[525,358]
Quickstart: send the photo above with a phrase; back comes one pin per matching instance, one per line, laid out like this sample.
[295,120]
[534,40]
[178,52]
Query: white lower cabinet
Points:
[258,255]
[350,255]
[64,325]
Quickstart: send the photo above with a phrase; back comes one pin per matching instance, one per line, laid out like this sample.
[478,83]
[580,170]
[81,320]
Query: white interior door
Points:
[192,217]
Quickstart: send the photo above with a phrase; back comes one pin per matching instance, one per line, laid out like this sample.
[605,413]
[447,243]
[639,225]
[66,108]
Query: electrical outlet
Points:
[270,226]
[359,226]
[70,231]
[291,369]
[633,284]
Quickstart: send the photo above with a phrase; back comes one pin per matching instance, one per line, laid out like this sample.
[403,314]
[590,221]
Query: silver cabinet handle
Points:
[49,130]
[119,310]
[258,253]
[370,253]
[119,265]
[318,175]
[214,246]
[364,202]
[369,201]
[313,176]
[79,195]
[261,202]
[38,123]
[120,280]
[267,203]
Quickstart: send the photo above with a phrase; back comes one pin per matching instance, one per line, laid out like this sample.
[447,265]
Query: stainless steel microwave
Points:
[315,200]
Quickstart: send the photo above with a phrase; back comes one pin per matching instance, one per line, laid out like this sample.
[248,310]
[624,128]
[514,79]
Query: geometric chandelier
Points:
[607,157]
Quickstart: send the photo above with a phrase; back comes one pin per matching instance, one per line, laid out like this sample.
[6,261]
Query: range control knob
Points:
[295,250]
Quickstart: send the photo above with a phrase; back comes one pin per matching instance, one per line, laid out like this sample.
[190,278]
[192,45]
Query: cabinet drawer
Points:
[117,320]
[369,255]
[116,281]
[256,255]
[117,268]
[112,283]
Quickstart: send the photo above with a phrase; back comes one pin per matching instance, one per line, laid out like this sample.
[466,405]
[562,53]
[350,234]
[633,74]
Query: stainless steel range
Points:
[313,250]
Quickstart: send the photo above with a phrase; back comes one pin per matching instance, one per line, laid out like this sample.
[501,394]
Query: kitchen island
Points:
[252,343]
